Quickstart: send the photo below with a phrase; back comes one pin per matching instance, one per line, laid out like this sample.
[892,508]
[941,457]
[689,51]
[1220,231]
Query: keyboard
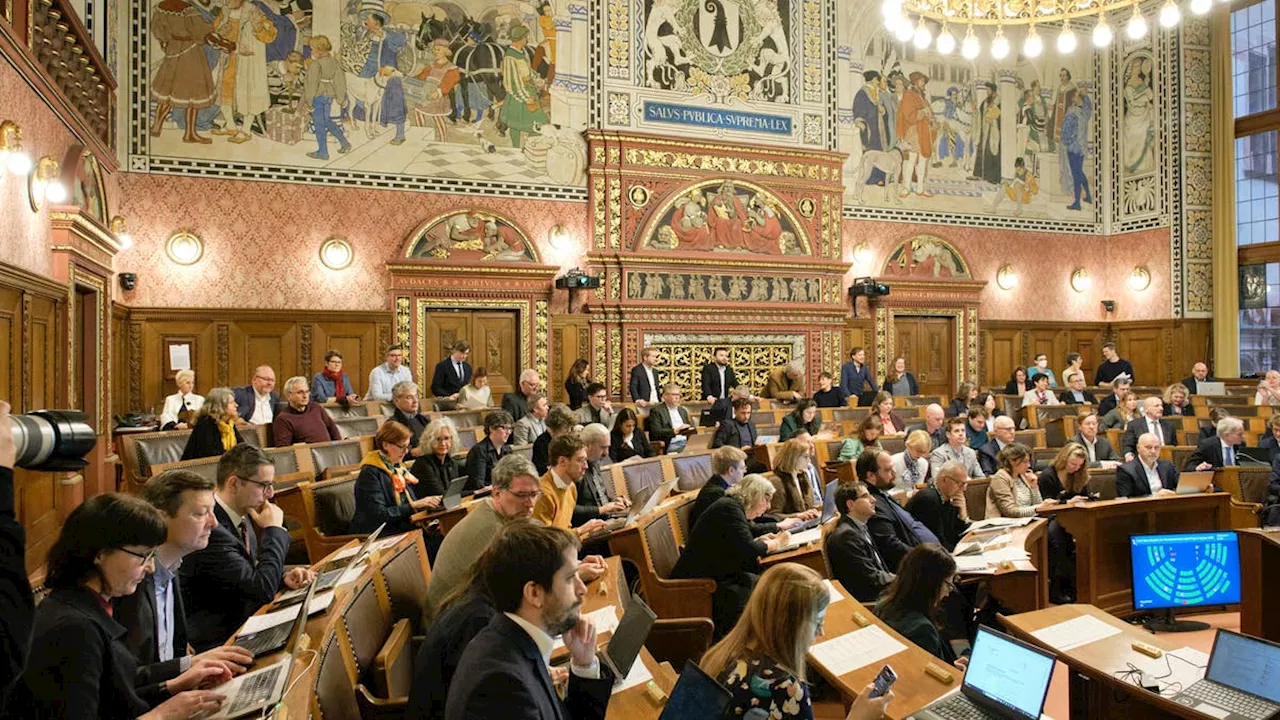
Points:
[266,641]
[1237,702]
[959,707]
[255,691]
[323,581]
[611,526]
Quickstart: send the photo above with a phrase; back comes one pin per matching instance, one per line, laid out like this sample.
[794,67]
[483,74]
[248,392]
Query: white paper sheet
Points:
[1000,523]
[639,674]
[1075,632]
[804,537]
[180,356]
[856,649]
[1008,552]
[973,564]
[352,574]
[834,593]
[261,622]
[605,619]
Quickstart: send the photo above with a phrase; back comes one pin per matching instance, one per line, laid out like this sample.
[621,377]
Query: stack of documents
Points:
[984,555]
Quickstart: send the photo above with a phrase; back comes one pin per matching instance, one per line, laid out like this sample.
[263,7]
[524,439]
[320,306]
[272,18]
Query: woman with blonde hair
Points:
[795,492]
[867,435]
[435,467]
[1065,480]
[1269,389]
[213,431]
[1125,411]
[1177,400]
[762,660]
[181,407]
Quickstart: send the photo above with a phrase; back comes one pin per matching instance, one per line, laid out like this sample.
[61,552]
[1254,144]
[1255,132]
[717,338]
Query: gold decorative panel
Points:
[682,361]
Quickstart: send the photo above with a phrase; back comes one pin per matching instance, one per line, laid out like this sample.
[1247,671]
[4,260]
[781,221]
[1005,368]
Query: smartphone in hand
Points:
[884,681]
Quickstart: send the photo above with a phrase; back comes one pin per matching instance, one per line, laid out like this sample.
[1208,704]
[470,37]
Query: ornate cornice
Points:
[772,263]
[16,277]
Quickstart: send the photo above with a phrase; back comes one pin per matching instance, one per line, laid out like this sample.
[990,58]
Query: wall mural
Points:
[471,236]
[724,215]
[452,88]
[926,256]
[722,288]
[88,190]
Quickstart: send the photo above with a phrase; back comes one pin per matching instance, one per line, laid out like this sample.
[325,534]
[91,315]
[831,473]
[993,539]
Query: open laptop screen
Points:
[1008,673]
[1247,664]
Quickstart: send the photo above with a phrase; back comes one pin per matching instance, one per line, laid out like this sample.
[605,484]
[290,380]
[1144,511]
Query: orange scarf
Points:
[400,477]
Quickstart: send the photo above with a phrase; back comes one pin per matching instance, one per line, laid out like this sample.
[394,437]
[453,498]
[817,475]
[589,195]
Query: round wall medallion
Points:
[807,207]
[638,195]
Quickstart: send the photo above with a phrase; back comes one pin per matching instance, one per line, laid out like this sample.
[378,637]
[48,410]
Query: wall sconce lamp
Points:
[560,238]
[1140,279]
[121,230]
[1006,277]
[12,157]
[1080,280]
[44,185]
[337,254]
[184,248]
[862,256]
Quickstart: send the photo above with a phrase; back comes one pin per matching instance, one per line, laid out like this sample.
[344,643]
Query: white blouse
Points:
[174,404]
[472,398]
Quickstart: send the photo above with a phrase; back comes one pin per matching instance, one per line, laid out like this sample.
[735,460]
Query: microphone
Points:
[1253,461]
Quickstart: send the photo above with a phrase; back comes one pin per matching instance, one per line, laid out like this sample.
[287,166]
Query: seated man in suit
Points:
[1108,403]
[301,420]
[1101,454]
[892,528]
[645,382]
[956,448]
[786,383]
[1147,474]
[1220,451]
[596,498]
[1002,434]
[452,373]
[1199,374]
[1075,394]
[941,506]
[740,431]
[560,421]
[718,377]
[557,505]
[237,573]
[598,408]
[257,401]
[504,670]
[1272,440]
[534,423]
[517,403]
[669,419]
[154,618]
[485,454]
[850,550]
[1152,421]
[408,412]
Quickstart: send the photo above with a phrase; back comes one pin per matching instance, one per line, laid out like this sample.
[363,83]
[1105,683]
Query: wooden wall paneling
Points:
[496,347]
[444,328]
[1148,349]
[358,343]
[569,341]
[36,500]
[859,332]
[119,363]
[11,354]
[266,342]
[1087,342]
[157,382]
[1048,340]
[1001,353]
[45,359]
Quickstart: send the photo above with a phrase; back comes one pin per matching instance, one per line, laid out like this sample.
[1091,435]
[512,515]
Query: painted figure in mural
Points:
[242,92]
[286,79]
[1060,107]
[759,292]
[522,111]
[183,80]
[953,128]
[892,88]
[324,94]
[916,125]
[547,26]
[665,57]
[480,61]
[1035,114]
[874,127]
[716,285]
[1138,150]
[986,164]
[1075,130]
[1020,189]
[440,78]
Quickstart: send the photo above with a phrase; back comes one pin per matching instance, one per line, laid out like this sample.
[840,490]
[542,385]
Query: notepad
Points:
[1075,632]
[804,538]
[973,564]
[854,650]
[257,623]
[639,675]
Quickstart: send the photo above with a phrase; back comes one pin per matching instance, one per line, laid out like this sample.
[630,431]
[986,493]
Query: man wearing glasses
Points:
[599,409]
[257,400]
[484,455]
[517,403]
[238,572]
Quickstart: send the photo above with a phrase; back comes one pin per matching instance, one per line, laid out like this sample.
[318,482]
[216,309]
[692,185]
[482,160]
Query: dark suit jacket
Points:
[516,404]
[433,475]
[940,516]
[577,393]
[721,544]
[224,583]
[1129,441]
[1209,450]
[1011,387]
[205,440]
[987,455]
[1131,478]
[137,613]
[732,433]
[480,461]
[1106,405]
[639,384]
[376,504]
[1068,396]
[1051,486]
[920,630]
[711,381]
[246,399]
[502,675]
[713,490]
[542,453]
[893,537]
[957,408]
[416,424]
[639,445]
[1191,383]
[441,650]
[658,423]
[852,379]
[589,501]
[1102,449]
[445,382]
[854,562]
[17,606]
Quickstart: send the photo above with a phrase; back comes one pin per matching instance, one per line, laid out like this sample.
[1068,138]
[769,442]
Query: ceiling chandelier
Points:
[916,21]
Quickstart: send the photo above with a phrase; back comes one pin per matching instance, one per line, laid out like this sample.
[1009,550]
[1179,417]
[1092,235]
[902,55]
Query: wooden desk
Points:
[1096,693]
[809,555]
[1019,588]
[914,688]
[1102,529]
[1260,583]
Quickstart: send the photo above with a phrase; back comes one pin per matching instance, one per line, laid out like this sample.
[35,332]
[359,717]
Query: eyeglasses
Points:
[264,379]
[145,558]
[526,496]
[270,487]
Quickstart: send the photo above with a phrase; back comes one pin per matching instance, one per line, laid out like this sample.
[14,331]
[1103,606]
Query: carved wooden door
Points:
[494,344]
[928,344]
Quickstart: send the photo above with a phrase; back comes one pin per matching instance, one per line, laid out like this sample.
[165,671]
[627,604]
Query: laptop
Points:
[1208,387]
[1007,679]
[330,573]
[624,646]
[453,494]
[254,692]
[278,637]
[1191,483]
[1242,682]
[652,501]
[696,696]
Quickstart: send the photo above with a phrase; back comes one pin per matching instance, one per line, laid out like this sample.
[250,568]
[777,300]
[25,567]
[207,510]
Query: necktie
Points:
[866,537]
[245,534]
[1229,456]
[1093,454]
[1155,430]
[458,367]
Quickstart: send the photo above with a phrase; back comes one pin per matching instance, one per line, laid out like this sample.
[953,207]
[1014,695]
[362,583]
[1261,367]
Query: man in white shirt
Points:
[956,450]
[257,401]
[1147,474]
[644,383]
[1221,450]
[1152,421]
[669,420]
[1101,454]
[529,427]
[384,377]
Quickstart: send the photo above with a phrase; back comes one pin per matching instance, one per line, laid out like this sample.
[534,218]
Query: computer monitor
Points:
[1184,570]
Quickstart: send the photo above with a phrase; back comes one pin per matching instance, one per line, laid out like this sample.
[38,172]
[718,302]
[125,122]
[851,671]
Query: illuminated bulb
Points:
[1170,14]
[125,240]
[1032,46]
[969,48]
[1066,41]
[946,41]
[891,8]
[891,24]
[1102,32]
[1201,7]
[19,163]
[1136,28]
[55,192]
[1000,45]
[922,36]
[904,32]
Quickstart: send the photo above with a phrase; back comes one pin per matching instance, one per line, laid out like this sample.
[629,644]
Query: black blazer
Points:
[721,544]
[589,501]
[1102,449]
[1068,397]
[246,399]
[957,408]
[1210,450]
[940,516]
[516,404]
[17,606]
[441,650]
[445,382]
[855,563]
[1129,440]
[1051,486]
[658,422]
[987,455]
[416,424]
[1106,405]
[639,383]
[1011,387]
[640,445]
[79,665]
[205,440]
[732,433]
[913,388]
[576,391]
[1131,478]
[893,537]
[223,584]
[501,675]
[541,453]
[711,381]
[376,504]
[480,461]
[713,490]
[433,475]
[1191,383]
[137,613]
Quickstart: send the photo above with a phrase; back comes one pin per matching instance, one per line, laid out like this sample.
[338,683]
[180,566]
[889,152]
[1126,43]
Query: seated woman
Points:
[576,383]
[1125,411]
[797,490]
[721,547]
[1065,480]
[909,605]
[1075,364]
[332,383]
[867,434]
[900,382]
[882,407]
[1040,393]
[435,468]
[988,401]
[805,417]
[1268,390]
[1014,491]
[181,407]
[385,490]
[627,440]
[762,660]
[965,395]
[215,429]
[476,395]
[80,666]
[1177,401]
[1019,384]
[1041,367]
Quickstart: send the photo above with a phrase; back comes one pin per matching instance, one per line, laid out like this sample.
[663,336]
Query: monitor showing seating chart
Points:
[1185,570]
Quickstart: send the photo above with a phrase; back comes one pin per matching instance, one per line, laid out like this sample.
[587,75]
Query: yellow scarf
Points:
[228,431]
[400,477]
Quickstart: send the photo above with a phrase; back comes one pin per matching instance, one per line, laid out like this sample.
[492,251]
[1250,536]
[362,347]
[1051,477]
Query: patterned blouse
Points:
[756,681]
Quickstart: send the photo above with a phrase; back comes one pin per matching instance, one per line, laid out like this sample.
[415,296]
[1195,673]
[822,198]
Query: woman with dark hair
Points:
[805,417]
[1075,364]
[882,407]
[384,490]
[332,382]
[80,666]
[965,395]
[214,430]
[910,603]
[1014,491]
[577,382]
[627,440]
[900,382]
[1018,383]
[476,395]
